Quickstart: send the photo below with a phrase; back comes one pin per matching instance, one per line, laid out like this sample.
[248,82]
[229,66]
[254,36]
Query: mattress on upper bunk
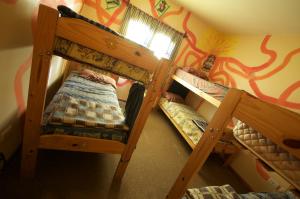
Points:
[215,90]
[280,160]
[183,115]
[79,53]
[82,107]
[226,191]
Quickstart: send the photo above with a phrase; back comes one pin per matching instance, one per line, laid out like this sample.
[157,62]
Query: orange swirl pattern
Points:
[190,55]
[224,65]
[18,83]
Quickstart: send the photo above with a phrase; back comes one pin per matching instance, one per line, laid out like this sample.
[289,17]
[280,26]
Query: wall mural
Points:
[104,16]
[190,53]
[110,4]
[18,84]
[161,7]
[226,66]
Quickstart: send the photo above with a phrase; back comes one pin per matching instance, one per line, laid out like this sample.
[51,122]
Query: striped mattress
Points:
[285,164]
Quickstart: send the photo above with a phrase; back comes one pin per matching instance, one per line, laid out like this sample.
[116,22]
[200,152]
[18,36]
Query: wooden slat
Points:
[197,91]
[42,53]
[206,144]
[83,144]
[151,95]
[274,122]
[83,33]
[184,135]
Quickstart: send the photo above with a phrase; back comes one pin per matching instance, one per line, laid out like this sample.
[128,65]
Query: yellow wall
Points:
[18,19]
[264,65]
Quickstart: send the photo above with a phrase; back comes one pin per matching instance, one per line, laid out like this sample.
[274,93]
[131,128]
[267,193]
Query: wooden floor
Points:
[159,156]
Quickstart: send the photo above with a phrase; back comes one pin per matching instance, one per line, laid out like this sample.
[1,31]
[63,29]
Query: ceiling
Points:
[248,16]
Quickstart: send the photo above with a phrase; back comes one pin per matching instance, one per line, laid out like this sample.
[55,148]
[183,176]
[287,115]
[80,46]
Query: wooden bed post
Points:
[42,53]
[153,92]
[206,144]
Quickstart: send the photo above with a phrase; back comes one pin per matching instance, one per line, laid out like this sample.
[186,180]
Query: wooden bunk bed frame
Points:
[50,26]
[278,124]
[189,83]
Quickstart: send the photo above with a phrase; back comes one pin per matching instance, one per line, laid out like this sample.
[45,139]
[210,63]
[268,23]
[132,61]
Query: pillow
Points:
[97,77]
[172,97]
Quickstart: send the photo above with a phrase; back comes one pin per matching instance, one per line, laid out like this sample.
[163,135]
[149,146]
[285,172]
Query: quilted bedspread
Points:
[183,116]
[85,108]
[279,159]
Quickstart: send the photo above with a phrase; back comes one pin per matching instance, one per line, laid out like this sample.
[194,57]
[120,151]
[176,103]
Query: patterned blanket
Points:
[183,115]
[85,108]
[227,192]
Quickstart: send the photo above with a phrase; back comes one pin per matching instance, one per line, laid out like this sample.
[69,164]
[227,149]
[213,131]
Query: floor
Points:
[158,159]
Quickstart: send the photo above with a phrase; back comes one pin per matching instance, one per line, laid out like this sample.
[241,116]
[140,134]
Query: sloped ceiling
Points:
[248,16]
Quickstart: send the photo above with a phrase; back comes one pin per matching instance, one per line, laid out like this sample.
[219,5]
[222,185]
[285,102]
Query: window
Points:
[138,32]
[151,33]
[161,45]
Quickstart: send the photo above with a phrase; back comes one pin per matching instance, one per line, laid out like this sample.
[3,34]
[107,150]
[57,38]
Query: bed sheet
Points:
[85,108]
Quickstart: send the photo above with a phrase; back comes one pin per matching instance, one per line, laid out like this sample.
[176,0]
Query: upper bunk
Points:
[79,39]
[211,92]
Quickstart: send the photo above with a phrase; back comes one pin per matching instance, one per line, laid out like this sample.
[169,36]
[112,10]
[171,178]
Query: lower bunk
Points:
[191,126]
[84,115]
[87,107]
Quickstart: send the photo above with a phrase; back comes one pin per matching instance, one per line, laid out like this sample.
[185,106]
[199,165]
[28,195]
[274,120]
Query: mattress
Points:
[79,53]
[280,160]
[226,191]
[85,108]
[215,90]
[183,115]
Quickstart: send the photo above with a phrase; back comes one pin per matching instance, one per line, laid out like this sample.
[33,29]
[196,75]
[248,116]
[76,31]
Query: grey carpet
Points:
[158,159]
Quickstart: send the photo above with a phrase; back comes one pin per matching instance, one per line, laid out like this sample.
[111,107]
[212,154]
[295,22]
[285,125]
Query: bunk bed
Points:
[183,117]
[276,138]
[80,99]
